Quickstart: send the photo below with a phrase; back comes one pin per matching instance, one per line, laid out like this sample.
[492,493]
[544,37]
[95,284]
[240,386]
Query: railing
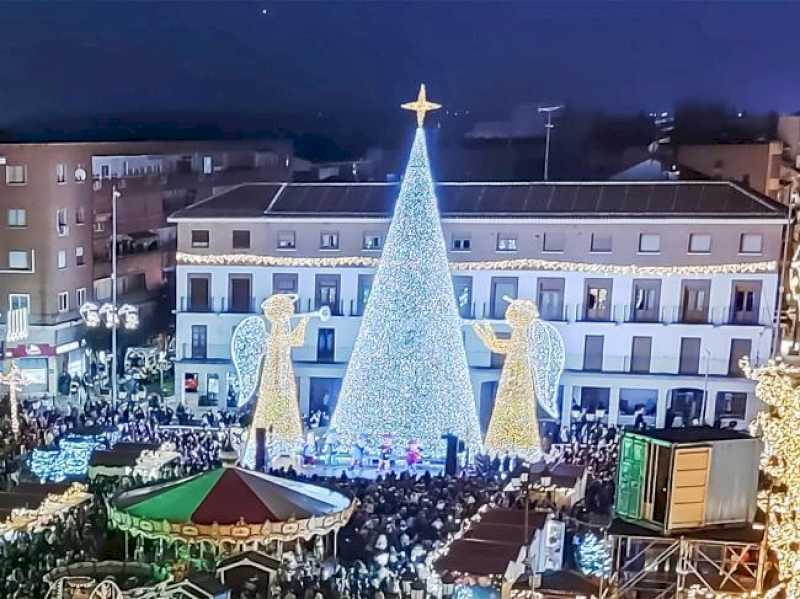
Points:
[617,313]
[208,351]
[629,364]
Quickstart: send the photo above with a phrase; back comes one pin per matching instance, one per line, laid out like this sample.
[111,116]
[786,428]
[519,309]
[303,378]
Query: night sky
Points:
[70,59]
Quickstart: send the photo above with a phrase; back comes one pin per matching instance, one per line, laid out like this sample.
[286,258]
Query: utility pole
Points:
[548,110]
[114,197]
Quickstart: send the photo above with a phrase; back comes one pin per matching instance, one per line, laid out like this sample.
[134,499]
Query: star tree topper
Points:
[421,105]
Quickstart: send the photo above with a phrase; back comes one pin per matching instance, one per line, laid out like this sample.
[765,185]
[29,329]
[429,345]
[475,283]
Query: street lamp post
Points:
[114,196]
[111,314]
[548,110]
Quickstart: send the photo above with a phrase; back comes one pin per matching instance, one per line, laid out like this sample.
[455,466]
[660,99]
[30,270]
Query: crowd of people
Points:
[27,558]
[402,518]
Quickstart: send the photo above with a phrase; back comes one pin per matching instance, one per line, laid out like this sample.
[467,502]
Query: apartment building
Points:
[55,218]
[768,167]
[657,288]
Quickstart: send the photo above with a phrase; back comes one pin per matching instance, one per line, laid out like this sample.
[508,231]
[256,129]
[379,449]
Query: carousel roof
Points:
[230,495]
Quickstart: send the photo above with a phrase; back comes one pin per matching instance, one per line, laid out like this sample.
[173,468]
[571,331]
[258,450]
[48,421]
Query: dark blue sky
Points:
[70,58]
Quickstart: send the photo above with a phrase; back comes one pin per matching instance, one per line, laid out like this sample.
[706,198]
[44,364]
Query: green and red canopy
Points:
[231,504]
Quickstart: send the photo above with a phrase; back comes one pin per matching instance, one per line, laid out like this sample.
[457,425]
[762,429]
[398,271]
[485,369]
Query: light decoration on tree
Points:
[253,348]
[592,555]
[778,387]
[534,264]
[534,361]
[408,373]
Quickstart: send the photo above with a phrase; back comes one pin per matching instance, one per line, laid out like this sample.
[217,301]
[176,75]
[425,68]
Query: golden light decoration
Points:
[778,387]
[15,379]
[276,409]
[421,105]
[514,426]
[767,266]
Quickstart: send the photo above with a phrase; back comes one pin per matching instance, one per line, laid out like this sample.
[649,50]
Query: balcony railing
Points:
[616,313]
[627,364]
[207,351]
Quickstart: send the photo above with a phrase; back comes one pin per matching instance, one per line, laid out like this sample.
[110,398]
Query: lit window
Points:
[79,259]
[63,301]
[62,258]
[16,174]
[699,243]
[553,242]
[329,240]
[99,226]
[208,165]
[199,239]
[80,296]
[372,241]
[61,173]
[601,242]
[750,243]
[80,174]
[17,217]
[506,243]
[649,243]
[286,240]
[461,243]
[18,260]
[61,222]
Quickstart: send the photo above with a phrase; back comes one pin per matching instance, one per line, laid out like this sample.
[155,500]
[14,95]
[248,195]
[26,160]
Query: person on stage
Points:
[357,452]
[331,446]
[385,459]
[309,448]
[413,455]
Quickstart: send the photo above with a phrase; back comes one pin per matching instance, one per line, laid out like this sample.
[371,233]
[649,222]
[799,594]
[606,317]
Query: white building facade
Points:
[657,288]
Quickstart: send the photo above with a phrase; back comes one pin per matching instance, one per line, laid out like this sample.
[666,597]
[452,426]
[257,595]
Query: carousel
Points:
[226,511]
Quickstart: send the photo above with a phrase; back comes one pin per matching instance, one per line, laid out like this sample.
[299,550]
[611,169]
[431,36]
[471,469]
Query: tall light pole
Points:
[114,197]
[548,110]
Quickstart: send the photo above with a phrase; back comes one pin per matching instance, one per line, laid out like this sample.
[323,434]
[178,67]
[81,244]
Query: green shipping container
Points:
[630,479]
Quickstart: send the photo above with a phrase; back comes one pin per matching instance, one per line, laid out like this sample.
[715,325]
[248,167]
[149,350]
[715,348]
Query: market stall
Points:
[145,461]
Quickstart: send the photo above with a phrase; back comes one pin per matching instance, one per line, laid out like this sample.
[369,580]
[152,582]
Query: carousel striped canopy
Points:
[228,499]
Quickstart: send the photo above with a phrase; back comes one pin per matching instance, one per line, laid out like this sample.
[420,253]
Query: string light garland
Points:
[533,364]
[70,459]
[276,410]
[766,266]
[408,374]
[778,387]
[592,555]
[15,379]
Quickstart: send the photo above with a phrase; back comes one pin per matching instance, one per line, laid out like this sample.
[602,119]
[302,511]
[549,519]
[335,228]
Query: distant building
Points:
[754,165]
[55,229]
[768,167]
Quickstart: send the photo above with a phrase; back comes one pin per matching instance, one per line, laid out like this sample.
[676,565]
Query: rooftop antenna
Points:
[548,110]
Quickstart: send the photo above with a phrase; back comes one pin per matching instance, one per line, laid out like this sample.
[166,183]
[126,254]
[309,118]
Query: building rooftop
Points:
[668,199]
[693,434]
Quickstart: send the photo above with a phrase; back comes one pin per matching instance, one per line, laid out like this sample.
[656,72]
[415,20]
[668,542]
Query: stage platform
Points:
[341,466]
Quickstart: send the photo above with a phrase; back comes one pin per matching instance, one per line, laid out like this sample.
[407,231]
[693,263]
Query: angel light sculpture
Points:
[263,359]
[531,372]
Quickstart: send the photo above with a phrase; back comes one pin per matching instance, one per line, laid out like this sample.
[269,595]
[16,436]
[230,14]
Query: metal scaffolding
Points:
[657,567]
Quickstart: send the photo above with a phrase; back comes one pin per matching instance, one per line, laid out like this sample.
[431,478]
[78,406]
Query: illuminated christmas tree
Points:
[408,374]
